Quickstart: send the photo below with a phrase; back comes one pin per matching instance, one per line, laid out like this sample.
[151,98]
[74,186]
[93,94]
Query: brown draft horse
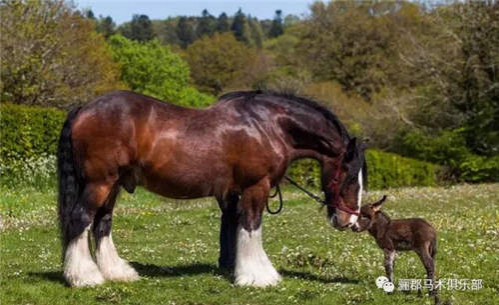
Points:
[236,151]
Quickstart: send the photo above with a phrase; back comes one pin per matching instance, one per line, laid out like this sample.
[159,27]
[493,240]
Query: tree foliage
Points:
[457,68]
[353,43]
[217,61]
[185,32]
[153,69]
[277,27]
[140,28]
[51,55]
[206,25]
[223,24]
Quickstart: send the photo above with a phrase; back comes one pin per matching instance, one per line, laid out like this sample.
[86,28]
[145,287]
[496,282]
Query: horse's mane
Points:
[284,97]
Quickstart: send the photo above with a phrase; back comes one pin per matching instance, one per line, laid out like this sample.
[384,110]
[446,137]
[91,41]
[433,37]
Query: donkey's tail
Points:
[68,179]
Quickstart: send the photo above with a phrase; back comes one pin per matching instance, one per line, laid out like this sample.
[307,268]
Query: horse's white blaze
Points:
[253,267]
[353,218]
[110,264]
[79,267]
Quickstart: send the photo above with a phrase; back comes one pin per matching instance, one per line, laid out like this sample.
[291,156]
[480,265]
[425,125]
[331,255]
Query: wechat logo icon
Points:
[382,282]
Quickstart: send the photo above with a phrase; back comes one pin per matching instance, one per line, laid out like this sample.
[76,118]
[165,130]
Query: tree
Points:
[276,28]
[206,24]
[255,32]
[140,28]
[238,25]
[106,26]
[344,41]
[217,61]
[153,69]
[457,66]
[185,32]
[223,24]
[90,14]
[51,56]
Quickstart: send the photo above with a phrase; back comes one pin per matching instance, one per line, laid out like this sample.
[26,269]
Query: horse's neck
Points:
[313,139]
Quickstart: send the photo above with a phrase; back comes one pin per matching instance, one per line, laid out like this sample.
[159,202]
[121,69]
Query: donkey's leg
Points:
[110,264]
[79,267]
[429,265]
[389,262]
[253,267]
[228,232]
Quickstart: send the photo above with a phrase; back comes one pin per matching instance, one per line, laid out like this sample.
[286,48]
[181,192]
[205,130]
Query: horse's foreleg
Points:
[253,267]
[79,267]
[110,264]
[228,232]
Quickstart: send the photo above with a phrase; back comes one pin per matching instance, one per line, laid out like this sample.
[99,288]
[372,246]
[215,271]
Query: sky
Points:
[122,10]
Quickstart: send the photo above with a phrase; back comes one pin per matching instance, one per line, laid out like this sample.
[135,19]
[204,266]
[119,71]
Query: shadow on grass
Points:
[53,276]
[312,277]
[180,270]
[151,270]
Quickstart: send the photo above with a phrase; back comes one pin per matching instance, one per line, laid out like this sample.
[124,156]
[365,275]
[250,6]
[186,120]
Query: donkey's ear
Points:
[377,205]
[351,150]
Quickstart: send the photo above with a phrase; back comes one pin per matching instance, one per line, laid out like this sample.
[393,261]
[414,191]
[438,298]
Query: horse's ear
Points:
[364,143]
[351,150]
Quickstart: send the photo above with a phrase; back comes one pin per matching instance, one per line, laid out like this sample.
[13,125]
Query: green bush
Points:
[384,170]
[28,143]
[153,69]
[449,148]
[29,132]
[391,170]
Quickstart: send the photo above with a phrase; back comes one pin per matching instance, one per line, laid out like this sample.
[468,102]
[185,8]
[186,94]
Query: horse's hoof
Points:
[120,272]
[254,279]
[87,278]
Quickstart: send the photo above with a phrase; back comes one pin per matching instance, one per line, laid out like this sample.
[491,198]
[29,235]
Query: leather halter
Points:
[334,186]
[311,195]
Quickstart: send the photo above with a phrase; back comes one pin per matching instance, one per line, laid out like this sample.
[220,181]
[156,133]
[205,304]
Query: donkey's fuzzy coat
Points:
[399,235]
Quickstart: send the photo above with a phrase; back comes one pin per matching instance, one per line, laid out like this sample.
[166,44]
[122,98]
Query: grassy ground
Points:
[173,245]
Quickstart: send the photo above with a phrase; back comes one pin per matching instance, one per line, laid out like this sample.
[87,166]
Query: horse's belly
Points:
[185,183]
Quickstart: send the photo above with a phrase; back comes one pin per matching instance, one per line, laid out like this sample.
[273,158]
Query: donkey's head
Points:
[368,215]
[343,182]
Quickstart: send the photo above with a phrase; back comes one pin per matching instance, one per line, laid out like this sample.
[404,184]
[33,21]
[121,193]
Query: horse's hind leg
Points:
[110,264]
[79,267]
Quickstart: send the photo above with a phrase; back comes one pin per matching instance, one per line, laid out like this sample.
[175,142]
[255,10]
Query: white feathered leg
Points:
[113,267]
[253,267]
[79,268]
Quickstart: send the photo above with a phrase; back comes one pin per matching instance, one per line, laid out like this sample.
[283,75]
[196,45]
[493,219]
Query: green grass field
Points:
[174,244]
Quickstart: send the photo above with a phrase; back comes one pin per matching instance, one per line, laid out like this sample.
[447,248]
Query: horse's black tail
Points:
[68,179]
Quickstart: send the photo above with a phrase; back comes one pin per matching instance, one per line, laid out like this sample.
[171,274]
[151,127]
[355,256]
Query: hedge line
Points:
[29,142]
[28,132]
[384,170]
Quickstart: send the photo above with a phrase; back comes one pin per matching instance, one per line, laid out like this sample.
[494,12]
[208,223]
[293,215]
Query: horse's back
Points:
[110,132]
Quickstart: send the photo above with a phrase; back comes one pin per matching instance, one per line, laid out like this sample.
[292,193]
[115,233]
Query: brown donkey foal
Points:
[399,235]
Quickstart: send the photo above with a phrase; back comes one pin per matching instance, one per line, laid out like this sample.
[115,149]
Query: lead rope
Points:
[278,192]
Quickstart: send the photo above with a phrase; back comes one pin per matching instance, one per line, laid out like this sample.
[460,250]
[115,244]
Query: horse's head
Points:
[342,183]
